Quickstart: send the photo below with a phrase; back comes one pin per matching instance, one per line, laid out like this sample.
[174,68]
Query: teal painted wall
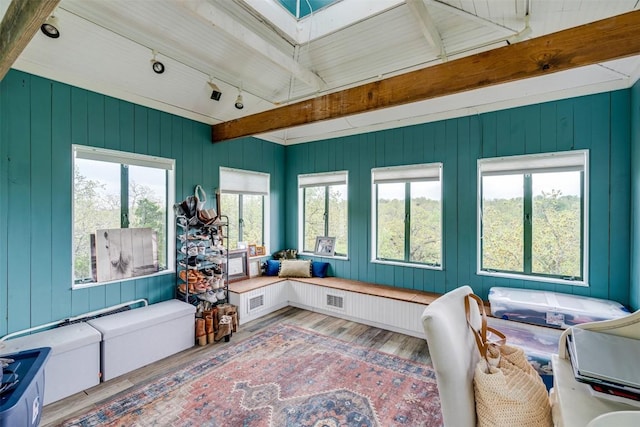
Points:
[634,292]
[600,123]
[39,120]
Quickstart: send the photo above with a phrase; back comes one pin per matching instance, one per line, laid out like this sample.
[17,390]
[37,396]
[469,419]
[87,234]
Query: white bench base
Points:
[385,313]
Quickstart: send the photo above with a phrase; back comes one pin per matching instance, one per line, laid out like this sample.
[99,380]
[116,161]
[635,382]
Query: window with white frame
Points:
[323,210]
[244,198]
[114,190]
[407,214]
[532,216]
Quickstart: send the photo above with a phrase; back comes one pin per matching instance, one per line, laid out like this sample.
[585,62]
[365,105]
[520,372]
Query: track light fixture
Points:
[50,27]
[239,105]
[215,91]
[157,66]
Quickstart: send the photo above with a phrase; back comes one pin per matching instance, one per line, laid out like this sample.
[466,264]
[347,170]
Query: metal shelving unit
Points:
[202,276]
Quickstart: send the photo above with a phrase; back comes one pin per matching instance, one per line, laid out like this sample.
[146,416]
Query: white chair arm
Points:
[617,419]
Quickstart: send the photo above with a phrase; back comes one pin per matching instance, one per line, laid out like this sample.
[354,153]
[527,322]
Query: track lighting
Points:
[50,27]
[215,91]
[239,105]
[157,66]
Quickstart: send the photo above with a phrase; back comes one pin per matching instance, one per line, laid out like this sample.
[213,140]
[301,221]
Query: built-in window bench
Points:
[386,307]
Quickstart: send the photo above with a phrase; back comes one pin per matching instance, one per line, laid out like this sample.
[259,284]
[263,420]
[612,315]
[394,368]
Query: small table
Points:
[574,405]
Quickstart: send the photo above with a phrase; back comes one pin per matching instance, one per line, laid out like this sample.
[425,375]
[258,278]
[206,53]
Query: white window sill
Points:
[75,286]
[407,264]
[582,283]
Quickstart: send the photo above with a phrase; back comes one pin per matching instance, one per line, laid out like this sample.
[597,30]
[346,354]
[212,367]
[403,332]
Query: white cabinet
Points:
[573,403]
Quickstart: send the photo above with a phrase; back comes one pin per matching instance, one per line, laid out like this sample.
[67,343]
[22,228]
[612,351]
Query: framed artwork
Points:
[260,250]
[325,246]
[255,268]
[252,250]
[238,265]
[125,252]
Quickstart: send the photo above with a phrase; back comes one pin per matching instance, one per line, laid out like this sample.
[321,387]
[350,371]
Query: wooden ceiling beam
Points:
[20,23]
[600,41]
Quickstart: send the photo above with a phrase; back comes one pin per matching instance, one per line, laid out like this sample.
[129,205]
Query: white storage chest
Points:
[74,362]
[132,339]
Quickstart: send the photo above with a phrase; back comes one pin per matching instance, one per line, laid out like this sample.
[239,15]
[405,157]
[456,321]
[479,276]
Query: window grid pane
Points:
[147,201]
[96,205]
[557,224]
[532,223]
[337,219]
[230,206]
[391,221]
[425,223]
[502,223]
[314,210]
[252,219]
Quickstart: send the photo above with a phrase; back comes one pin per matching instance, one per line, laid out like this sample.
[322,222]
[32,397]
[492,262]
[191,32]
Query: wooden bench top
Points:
[401,294]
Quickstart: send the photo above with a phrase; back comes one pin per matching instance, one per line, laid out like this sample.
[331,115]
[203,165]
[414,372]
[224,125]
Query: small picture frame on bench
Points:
[325,246]
[238,265]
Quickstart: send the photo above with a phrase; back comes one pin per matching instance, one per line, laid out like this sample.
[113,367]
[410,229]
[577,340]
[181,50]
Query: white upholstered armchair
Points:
[454,355]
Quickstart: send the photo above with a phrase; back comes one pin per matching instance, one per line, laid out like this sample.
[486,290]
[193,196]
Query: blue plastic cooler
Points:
[22,406]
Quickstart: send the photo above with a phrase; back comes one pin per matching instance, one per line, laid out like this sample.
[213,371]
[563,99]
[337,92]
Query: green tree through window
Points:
[532,216]
[324,200]
[408,207]
[111,192]
[246,218]
[245,201]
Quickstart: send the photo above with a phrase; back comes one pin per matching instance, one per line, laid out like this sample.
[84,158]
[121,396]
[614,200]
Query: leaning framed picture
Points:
[252,250]
[260,250]
[238,265]
[325,246]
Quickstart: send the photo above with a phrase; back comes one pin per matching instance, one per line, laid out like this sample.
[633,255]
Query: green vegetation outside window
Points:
[244,200]
[113,189]
[408,214]
[324,210]
[246,218]
[532,215]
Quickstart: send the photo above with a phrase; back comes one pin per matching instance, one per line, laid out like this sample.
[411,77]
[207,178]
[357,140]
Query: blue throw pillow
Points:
[319,269]
[273,267]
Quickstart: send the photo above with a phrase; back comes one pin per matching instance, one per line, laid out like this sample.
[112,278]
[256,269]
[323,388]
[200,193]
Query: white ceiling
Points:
[254,45]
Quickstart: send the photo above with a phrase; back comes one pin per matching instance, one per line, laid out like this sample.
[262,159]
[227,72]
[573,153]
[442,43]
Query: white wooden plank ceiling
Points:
[256,47]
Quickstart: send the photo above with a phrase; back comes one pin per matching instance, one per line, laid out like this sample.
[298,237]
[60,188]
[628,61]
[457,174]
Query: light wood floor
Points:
[389,342]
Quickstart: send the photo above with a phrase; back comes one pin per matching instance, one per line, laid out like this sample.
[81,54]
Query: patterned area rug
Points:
[287,376]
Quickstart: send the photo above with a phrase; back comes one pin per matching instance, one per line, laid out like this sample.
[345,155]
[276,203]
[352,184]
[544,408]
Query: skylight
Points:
[302,8]
[306,20]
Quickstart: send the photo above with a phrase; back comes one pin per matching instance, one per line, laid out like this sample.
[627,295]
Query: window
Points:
[407,214]
[118,190]
[244,199]
[324,210]
[533,215]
